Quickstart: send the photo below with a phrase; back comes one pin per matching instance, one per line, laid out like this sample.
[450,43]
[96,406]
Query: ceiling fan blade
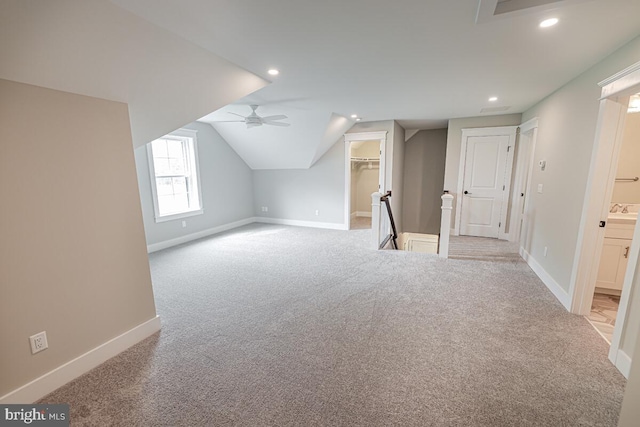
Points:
[227,121]
[278,117]
[235,114]
[277,124]
[252,125]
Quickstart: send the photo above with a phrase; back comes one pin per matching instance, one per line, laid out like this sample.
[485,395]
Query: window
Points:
[173,164]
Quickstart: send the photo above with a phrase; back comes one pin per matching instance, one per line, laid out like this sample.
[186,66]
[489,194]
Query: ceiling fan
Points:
[253,119]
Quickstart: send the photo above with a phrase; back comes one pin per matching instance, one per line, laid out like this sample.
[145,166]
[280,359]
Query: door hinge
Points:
[508,148]
[499,224]
[503,188]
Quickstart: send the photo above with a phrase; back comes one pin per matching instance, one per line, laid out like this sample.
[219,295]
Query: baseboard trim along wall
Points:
[198,235]
[71,370]
[295,222]
[622,362]
[546,278]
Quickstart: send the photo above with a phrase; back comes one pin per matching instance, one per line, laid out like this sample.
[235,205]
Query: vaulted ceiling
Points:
[420,62]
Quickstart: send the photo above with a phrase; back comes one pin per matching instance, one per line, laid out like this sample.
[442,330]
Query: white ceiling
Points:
[420,62]
[416,61]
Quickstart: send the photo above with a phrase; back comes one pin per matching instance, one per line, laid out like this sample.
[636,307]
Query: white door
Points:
[485,185]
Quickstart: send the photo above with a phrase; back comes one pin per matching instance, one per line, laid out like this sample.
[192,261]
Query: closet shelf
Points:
[365,159]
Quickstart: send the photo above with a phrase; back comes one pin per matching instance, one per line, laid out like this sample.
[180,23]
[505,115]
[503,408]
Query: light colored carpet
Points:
[483,249]
[283,326]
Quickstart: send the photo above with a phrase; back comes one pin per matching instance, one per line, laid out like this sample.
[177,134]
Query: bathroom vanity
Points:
[615,252]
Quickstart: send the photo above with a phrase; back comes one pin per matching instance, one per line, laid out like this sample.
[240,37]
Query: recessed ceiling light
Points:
[549,22]
[353,116]
[358,119]
[273,72]
[493,99]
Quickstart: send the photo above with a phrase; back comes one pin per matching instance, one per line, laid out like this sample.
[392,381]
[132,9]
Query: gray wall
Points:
[226,182]
[73,260]
[424,160]
[296,194]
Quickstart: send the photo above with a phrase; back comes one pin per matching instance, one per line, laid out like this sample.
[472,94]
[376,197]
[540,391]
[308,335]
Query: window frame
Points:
[178,134]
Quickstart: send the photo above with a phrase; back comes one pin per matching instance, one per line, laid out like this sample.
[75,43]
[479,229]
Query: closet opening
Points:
[365,179]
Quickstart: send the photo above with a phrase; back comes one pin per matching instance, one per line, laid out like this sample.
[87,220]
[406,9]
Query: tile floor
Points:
[604,310]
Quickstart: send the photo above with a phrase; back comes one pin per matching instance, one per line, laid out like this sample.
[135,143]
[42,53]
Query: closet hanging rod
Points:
[634,179]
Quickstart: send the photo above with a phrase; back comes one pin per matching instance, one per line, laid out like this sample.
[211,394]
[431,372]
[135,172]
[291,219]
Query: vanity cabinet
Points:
[613,263]
[615,256]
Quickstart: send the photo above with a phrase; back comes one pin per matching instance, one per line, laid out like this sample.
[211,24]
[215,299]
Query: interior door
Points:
[485,185]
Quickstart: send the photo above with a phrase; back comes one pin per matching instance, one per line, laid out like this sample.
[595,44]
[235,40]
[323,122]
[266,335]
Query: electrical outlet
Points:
[266,208]
[184,224]
[317,212]
[545,251]
[38,342]
[540,188]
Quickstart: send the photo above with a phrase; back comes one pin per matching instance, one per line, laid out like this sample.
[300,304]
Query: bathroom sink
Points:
[623,218]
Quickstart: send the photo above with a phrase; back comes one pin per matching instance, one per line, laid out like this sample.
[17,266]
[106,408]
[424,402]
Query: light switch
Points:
[540,188]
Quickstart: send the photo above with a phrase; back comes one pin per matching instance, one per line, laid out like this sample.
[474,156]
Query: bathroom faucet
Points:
[615,207]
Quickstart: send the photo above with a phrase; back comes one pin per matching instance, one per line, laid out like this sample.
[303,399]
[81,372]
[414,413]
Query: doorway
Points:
[621,220]
[614,105]
[364,155]
[365,180]
[484,181]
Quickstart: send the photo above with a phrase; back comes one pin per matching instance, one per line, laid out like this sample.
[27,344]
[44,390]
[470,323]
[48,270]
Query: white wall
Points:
[73,260]
[629,162]
[226,184]
[424,162]
[566,133]
[454,145]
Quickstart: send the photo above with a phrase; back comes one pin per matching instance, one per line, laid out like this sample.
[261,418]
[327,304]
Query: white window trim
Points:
[188,133]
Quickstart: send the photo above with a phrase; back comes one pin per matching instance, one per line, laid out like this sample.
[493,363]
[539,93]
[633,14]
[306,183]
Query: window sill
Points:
[172,217]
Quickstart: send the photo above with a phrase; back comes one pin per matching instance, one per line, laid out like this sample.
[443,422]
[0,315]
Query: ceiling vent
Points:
[489,10]
[495,109]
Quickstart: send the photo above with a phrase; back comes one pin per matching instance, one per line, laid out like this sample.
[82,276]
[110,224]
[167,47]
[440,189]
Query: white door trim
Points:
[608,141]
[509,131]
[523,171]
[361,136]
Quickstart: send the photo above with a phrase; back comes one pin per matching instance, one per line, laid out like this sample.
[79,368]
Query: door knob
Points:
[466,192]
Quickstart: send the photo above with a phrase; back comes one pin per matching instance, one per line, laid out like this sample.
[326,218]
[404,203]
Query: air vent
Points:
[495,109]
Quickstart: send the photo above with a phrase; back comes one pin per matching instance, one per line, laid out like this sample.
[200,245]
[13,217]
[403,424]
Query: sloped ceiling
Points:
[419,62]
[94,48]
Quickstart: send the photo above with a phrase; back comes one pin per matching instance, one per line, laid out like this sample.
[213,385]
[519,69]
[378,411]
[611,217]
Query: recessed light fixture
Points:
[493,99]
[358,119]
[354,116]
[273,72]
[549,22]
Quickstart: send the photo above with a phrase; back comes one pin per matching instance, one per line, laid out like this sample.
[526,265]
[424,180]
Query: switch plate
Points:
[540,188]
[38,342]
[545,251]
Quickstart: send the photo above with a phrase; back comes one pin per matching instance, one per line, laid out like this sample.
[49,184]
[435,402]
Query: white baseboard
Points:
[297,223]
[623,363]
[198,235]
[546,278]
[71,370]
[363,214]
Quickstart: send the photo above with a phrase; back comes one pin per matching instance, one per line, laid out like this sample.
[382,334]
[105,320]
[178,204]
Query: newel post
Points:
[445,225]
[375,220]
